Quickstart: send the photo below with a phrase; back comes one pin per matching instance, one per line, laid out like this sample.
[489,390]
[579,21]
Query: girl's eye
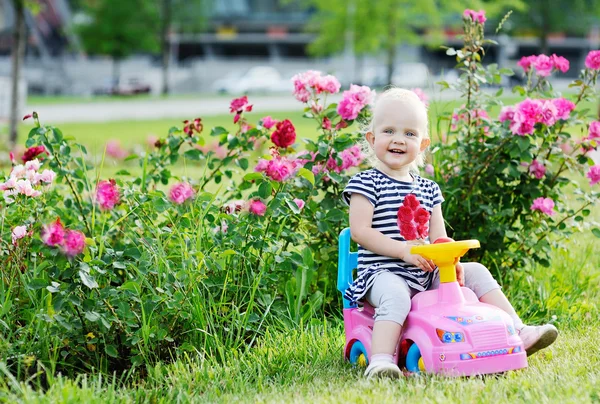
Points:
[410,134]
[388,131]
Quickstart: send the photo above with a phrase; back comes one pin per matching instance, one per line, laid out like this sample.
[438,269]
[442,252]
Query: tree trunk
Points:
[544,27]
[165,44]
[18,50]
[391,44]
[116,74]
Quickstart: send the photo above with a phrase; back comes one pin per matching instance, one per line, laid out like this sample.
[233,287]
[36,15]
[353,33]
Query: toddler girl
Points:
[388,274]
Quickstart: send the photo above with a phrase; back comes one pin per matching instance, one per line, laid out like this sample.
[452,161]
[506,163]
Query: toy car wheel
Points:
[358,354]
[414,359]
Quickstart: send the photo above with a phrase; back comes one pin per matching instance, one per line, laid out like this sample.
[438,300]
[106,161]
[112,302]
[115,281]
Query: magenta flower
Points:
[537,169]
[594,174]
[257,207]
[544,205]
[107,194]
[526,62]
[594,131]
[560,63]
[181,192]
[506,114]
[74,243]
[18,233]
[53,234]
[239,105]
[114,149]
[354,101]
[326,123]
[543,65]
[563,107]
[592,60]
[299,202]
[549,113]
[268,122]
[475,16]
[429,169]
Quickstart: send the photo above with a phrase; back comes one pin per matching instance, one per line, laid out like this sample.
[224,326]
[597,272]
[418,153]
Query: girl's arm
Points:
[437,228]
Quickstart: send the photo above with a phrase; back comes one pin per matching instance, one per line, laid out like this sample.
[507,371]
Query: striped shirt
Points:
[387,194]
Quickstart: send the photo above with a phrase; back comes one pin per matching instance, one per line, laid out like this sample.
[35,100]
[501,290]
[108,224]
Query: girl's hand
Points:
[460,274]
[418,261]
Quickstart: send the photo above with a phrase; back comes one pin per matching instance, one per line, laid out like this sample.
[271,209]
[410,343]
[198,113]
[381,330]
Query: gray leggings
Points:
[390,295]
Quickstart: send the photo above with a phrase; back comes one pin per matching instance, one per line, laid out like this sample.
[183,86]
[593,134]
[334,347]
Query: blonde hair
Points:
[394,93]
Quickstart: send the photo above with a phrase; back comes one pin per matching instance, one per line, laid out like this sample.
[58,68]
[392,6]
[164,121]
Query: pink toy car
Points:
[448,331]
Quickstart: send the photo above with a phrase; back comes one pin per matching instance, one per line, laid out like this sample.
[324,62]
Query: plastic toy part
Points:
[358,355]
[445,255]
[414,360]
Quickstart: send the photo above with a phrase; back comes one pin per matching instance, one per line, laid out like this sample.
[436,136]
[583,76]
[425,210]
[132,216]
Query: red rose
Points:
[422,230]
[33,152]
[411,201]
[285,135]
[408,231]
[405,214]
[422,216]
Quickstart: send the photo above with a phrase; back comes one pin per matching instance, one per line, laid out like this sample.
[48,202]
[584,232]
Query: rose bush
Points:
[516,183]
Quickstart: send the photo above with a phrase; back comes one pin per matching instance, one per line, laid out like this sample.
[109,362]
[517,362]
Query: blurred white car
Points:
[257,79]
[409,75]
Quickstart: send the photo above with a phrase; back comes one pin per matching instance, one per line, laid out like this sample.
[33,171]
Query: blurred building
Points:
[267,29]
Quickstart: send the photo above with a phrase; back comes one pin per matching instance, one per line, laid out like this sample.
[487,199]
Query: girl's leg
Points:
[487,290]
[390,295]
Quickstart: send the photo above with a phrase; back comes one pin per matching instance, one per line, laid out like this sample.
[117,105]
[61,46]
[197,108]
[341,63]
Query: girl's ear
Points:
[370,138]
[425,143]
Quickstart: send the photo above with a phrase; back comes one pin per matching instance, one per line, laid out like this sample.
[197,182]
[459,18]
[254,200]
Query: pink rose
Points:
[537,169]
[594,174]
[53,234]
[354,100]
[114,149]
[33,152]
[560,63]
[429,169]
[107,194]
[506,114]
[543,65]
[544,205]
[526,62]
[563,107]
[268,122]
[74,243]
[18,233]
[257,207]
[181,192]
[594,131]
[299,202]
[592,61]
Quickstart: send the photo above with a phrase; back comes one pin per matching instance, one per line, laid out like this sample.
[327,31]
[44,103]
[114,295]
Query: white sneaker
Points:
[383,369]
[536,337]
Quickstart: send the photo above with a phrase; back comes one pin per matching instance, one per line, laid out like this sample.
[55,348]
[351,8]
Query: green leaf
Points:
[596,232]
[253,177]
[118,265]
[264,190]
[87,279]
[111,351]
[307,174]
[193,154]
[123,172]
[37,283]
[217,131]
[243,163]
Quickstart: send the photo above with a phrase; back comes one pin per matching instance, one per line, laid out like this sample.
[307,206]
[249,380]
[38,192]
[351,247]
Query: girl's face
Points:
[399,133]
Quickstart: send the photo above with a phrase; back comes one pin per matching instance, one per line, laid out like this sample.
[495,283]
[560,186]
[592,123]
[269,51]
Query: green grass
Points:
[305,364]
[73,99]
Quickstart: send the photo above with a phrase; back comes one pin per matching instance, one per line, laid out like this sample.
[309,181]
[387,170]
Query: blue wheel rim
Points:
[412,359]
[357,349]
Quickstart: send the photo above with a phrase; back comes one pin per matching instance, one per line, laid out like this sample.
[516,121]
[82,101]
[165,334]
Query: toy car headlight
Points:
[447,337]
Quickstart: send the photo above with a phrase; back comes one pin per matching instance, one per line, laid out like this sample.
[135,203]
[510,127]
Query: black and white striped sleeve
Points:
[361,183]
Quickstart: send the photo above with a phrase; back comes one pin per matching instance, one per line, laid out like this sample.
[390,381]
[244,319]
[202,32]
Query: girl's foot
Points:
[383,369]
[536,337]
